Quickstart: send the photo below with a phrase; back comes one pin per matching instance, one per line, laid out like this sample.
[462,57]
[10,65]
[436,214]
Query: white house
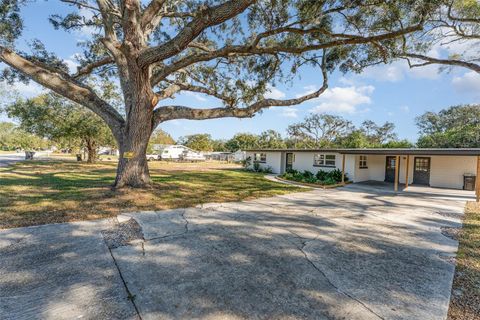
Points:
[444,168]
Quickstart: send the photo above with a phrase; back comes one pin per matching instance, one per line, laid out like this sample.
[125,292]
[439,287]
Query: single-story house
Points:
[444,168]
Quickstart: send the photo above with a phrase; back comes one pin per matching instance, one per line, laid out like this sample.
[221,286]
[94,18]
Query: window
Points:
[422,164]
[362,163]
[324,160]
[260,157]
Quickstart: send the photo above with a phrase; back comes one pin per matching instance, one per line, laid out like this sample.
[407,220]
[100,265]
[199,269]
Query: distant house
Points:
[444,168]
[239,156]
[219,156]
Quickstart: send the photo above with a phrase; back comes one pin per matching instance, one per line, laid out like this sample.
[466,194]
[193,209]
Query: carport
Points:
[414,166]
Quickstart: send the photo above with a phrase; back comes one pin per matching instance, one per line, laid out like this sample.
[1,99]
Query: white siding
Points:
[273,160]
[448,171]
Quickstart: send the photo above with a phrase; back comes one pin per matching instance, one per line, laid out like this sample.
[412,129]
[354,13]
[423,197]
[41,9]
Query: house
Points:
[239,156]
[443,168]
[218,156]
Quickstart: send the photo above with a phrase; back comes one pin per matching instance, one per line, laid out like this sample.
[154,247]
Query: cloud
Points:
[467,83]
[399,70]
[344,99]
[195,95]
[405,109]
[27,90]
[288,112]
[274,93]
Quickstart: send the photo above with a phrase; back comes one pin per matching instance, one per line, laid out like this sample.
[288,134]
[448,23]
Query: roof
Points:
[387,151]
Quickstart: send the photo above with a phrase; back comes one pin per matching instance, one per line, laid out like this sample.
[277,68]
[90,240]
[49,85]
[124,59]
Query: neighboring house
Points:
[239,156]
[219,156]
[445,168]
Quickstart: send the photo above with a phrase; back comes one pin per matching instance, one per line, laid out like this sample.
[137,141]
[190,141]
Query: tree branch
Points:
[249,49]
[166,113]
[67,87]
[87,69]
[204,19]
[451,62]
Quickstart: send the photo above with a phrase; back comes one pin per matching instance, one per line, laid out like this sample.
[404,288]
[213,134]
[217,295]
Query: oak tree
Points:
[231,50]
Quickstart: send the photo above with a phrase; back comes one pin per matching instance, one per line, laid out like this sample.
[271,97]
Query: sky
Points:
[393,92]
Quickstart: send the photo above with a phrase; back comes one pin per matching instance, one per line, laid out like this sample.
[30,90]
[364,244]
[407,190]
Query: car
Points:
[152,157]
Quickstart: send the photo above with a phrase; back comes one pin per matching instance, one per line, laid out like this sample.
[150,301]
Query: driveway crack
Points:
[130,296]
[304,242]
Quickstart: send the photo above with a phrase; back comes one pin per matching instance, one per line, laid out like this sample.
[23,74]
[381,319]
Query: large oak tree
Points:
[231,50]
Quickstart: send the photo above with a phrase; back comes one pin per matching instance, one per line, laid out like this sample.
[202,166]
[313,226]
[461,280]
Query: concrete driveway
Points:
[349,253]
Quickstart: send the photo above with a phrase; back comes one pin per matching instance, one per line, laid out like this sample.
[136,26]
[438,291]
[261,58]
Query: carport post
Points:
[406,171]
[477,180]
[397,165]
[343,169]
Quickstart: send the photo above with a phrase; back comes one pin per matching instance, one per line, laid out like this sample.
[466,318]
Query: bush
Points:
[322,175]
[256,166]
[335,175]
[308,175]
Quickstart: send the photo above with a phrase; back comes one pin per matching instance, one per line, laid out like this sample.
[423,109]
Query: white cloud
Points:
[288,112]
[400,70]
[467,83]
[344,99]
[27,90]
[307,90]
[405,109]
[274,93]
[195,95]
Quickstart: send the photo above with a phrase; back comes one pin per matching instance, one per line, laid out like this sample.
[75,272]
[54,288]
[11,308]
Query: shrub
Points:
[256,166]
[335,175]
[329,181]
[247,162]
[308,175]
[322,175]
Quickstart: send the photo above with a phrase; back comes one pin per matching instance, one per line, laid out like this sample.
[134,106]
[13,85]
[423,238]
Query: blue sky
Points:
[392,93]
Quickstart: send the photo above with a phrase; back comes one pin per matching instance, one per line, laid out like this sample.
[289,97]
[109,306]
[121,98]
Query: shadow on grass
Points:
[57,191]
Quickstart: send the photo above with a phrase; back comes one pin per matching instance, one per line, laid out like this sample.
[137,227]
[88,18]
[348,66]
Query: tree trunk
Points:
[132,170]
[91,151]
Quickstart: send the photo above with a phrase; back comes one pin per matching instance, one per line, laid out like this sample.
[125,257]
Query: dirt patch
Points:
[122,234]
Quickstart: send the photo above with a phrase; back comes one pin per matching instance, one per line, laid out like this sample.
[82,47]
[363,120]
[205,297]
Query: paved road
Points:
[349,253]
[7,159]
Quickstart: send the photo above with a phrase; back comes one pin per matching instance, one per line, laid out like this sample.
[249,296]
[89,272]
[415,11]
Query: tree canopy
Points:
[64,122]
[454,127]
[231,50]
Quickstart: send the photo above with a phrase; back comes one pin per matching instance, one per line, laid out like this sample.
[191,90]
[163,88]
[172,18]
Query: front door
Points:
[390,169]
[288,161]
[421,171]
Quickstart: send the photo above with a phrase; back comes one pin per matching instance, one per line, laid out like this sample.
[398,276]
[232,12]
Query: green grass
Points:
[465,302]
[33,193]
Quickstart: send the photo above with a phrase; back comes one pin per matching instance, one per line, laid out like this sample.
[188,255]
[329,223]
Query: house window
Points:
[260,157]
[324,160]
[362,163]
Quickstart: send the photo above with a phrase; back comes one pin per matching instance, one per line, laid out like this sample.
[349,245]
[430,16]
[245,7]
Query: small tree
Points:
[159,137]
[199,142]
[271,139]
[319,130]
[52,117]
[242,141]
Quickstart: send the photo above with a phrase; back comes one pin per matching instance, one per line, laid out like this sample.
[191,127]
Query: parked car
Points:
[152,157]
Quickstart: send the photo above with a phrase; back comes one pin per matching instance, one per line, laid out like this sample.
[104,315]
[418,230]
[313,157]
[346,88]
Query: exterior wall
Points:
[273,160]
[445,171]
[448,171]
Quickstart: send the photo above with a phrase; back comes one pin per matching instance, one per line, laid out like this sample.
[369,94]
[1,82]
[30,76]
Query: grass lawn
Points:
[465,302]
[40,192]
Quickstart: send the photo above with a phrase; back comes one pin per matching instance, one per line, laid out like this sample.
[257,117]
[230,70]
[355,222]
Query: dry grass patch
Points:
[40,192]
[465,301]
